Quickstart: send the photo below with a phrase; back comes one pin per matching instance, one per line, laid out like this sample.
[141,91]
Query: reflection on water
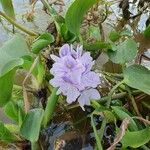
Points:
[22,10]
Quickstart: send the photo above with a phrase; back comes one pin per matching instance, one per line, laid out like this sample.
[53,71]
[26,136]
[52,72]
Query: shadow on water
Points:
[75,134]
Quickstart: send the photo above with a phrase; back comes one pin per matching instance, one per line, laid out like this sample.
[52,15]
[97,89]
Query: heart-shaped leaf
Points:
[136,139]
[30,128]
[124,52]
[11,54]
[138,77]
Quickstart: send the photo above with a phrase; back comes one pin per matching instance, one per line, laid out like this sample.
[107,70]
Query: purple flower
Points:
[73,75]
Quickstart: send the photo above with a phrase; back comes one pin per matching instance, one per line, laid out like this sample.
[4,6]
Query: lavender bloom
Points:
[73,75]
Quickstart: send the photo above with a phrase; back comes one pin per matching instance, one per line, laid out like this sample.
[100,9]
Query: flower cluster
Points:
[73,75]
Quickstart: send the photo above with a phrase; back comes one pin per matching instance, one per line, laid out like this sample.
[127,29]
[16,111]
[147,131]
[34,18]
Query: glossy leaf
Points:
[147,32]
[47,36]
[124,52]
[66,34]
[6,85]
[41,42]
[5,134]
[138,77]
[114,36]
[137,138]
[30,128]
[75,14]
[12,128]
[40,72]
[126,32]
[96,46]
[11,54]
[8,8]
[14,112]
[122,114]
[50,107]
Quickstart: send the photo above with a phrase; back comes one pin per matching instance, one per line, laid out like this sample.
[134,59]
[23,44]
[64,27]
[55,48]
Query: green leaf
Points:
[122,114]
[96,46]
[66,34]
[50,107]
[147,32]
[6,85]
[124,52]
[76,12]
[126,32]
[47,36]
[93,32]
[5,134]
[41,42]
[8,8]
[110,117]
[40,72]
[114,36]
[30,128]
[138,77]
[137,138]
[11,54]
[12,128]
[15,112]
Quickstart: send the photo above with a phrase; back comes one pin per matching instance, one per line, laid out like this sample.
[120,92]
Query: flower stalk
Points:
[22,28]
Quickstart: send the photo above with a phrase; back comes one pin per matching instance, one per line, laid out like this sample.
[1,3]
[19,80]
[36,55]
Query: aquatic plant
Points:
[73,76]
[44,82]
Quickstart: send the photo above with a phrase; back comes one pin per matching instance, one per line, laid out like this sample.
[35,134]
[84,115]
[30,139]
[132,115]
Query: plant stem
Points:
[113,74]
[102,129]
[17,25]
[51,11]
[80,39]
[117,96]
[35,146]
[146,105]
[133,102]
[145,147]
[104,122]
[111,93]
[98,141]
[104,99]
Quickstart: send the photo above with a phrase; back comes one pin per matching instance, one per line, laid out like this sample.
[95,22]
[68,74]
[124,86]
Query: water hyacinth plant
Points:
[73,75]
[55,95]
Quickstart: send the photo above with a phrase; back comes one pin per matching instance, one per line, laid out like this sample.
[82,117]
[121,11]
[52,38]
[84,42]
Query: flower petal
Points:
[72,94]
[84,99]
[93,94]
[64,50]
[54,57]
[88,95]
[79,51]
[91,79]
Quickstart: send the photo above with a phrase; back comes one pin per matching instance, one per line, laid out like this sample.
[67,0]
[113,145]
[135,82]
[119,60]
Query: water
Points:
[23,9]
